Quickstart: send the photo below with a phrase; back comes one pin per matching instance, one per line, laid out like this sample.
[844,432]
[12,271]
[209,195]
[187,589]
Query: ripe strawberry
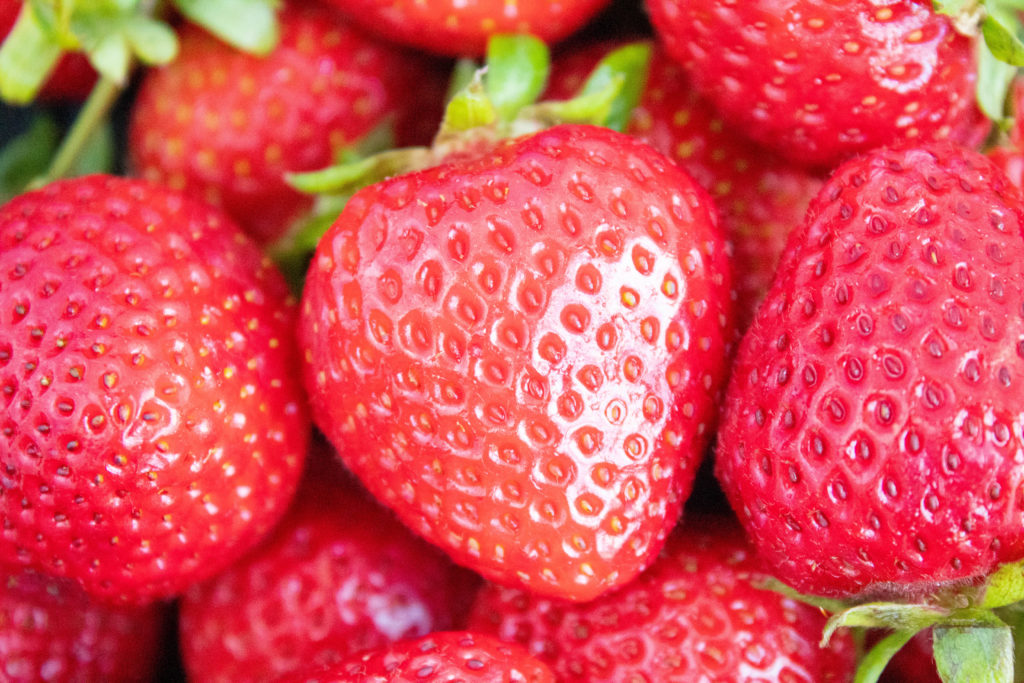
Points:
[456,656]
[51,631]
[73,77]
[227,126]
[695,615]
[461,29]
[871,433]
[152,428]
[761,197]
[819,80]
[519,351]
[339,576]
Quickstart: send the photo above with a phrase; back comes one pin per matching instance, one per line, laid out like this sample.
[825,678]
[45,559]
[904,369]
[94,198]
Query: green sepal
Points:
[463,73]
[888,615]
[995,78]
[1003,40]
[27,58]
[346,178]
[470,108]
[593,108]
[630,63]
[27,156]
[974,654]
[1004,587]
[249,25]
[953,8]
[293,251]
[517,72]
[873,663]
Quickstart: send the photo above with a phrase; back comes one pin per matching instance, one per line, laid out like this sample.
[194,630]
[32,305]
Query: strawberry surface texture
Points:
[448,656]
[819,80]
[226,126]
[696,615]
[519,351]
[338,576]
[153,425]
[871,436]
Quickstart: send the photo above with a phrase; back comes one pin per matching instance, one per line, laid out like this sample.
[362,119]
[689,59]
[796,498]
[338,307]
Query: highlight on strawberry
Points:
[665,340]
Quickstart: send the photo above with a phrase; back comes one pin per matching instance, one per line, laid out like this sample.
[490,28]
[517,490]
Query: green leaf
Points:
[111,56]
[347,178]
[1002,41]
[631,63]
[470,108]
[249,25]
[995,78]
[1005,586]
[27,156]
[877,658]
[517,72]
[974,654]
[894,616]
[154,42]
[27,57]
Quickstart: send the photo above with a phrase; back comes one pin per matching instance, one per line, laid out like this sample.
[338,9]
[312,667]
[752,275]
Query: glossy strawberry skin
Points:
[461,29]
[460,656]
[761,197]
[819,80]
[51,631]
[153,427]
[226,126]
[870,439]
[338,576]
[694,615]
[519,353]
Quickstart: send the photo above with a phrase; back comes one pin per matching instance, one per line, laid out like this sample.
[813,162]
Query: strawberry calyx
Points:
[491,103]
[999,32]
[971,625]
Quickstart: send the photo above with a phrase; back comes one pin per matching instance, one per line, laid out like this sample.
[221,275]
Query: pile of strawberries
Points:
[366,340]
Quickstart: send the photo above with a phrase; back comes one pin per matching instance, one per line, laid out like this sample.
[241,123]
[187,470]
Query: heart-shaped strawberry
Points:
[519,351]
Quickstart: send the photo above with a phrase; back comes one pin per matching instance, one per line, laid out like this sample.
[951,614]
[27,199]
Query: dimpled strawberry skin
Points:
[51,631]
[339,575]
[227,126]
[694,615]
[460,28]
[818,80]
[455,656]
[152,424]
[871,440]
[520,352]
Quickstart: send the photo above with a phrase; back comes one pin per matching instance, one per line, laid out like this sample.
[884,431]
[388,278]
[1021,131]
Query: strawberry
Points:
[227,126]
[819,80]
[871,433]
[461,29]
[153,428]
[72,78]
[338,576]
[760,196]
[519,351]
[456,656]
[51,631]
[695,615]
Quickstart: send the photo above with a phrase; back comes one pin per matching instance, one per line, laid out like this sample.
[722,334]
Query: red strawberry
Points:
[519,352]
[51,631]
[338,576]
[459,28]
[819,80]
[760,196]
[227,126]
[451,656]
[73,77]
[153,428]
[871,440]
[695,615]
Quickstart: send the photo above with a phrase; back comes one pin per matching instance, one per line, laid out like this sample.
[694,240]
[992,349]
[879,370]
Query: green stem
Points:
[90,118]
